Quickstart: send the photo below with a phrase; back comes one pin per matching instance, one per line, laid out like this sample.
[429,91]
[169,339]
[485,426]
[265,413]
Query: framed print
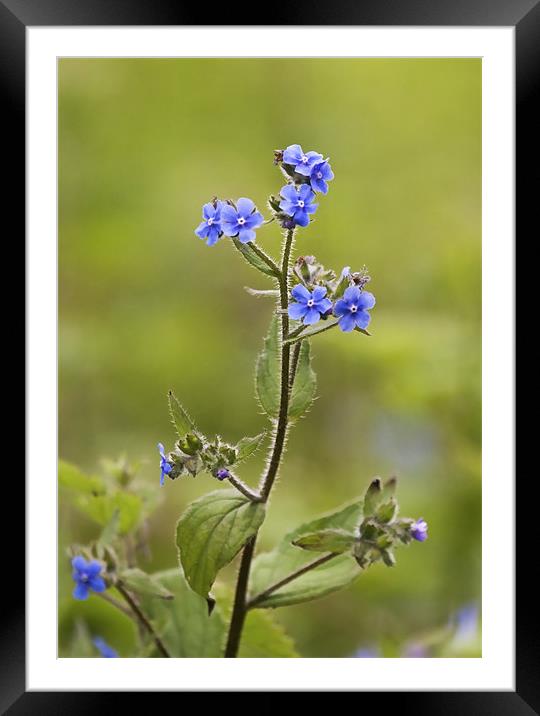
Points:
[321,213]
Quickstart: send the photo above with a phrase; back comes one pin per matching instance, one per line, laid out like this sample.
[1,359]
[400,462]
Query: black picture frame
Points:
[524,16]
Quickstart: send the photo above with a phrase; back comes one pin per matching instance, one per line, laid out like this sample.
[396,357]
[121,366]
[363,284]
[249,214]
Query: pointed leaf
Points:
[272,567]
[253,259]
[143,584]
[247,446]
[74,480]
[212,531]
[110,531]
[335,540]
[305,384]
[262,293]
[318,328]
[183,622]
[267,376]
[181,421]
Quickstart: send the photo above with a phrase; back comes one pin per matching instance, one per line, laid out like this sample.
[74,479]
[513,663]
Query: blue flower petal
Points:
[81,591]
[319,185]
[289,192]
[208,211]
[301,217]
[161,449]
[352,294]
[97,584]
[244,207]
[311,208]
[202,230]
[362,319]
[79,563]
[366,300]
[341,308]
[300,293]
[254,220]
[246,235]
[94,568]
[347,322]
[293,154]
[213,236]
[305,193]
[288,207]
[324,305]
[312,316]
[297,311]
[319,292]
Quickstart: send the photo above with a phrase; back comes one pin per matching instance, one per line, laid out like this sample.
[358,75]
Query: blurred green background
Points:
[145,306]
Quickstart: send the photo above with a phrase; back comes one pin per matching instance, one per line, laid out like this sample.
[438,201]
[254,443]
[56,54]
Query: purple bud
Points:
[222,473]
[419,530]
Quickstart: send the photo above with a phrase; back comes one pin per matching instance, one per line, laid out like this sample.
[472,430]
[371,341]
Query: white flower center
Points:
[84,577]
[354,309]
[319,175]
[301,203]
[210,222]
[310,303]
[304,159]
[241,221]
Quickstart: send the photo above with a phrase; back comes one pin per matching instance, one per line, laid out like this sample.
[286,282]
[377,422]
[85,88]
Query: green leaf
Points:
[335,540]
[212,531]
[181,421]
[362,330]
[262,636]
[110,531]
[102,508]
[373,496]
[72,479]
[267,375]
[253,259]
[262,293]
[312,332]
[247,446]
[272,567]
[183,623]
[143,584]
[305,384]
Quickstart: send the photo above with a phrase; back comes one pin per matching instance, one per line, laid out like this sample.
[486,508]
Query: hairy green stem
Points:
[141,618]
[244,489]
[294,363]
[258,598]
[280,435]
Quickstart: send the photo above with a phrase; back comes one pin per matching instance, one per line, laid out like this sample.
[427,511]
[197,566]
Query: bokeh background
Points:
[145,306]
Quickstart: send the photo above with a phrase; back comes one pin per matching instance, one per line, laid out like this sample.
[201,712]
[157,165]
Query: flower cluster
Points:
[347,301]
[230,219]
[307,173]
[195,453]
[87,576]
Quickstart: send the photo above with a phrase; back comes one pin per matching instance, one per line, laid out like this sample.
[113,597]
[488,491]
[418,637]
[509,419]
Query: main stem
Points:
[280,435]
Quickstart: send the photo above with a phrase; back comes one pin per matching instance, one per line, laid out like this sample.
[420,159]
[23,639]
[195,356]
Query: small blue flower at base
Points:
[320,175]
[86,576]
[419,530]
[310,305]
[302,163]
[298,203]
[222,473]
[352,309]
[164,464]
[242,220]
[210,229]
[106,651]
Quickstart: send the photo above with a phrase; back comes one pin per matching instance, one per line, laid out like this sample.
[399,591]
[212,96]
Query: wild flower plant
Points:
[174,608]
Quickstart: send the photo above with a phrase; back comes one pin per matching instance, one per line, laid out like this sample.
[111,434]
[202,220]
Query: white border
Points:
[495,670]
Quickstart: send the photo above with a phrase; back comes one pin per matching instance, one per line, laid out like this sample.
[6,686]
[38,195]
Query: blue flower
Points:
[242,220]
[210,229]
[104,649]
[419,530]
[367,652]
[320,174]
[352,309]
[164,464]
[298,203]
[86,576]
[222,473]
[309,306]
[302,163]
